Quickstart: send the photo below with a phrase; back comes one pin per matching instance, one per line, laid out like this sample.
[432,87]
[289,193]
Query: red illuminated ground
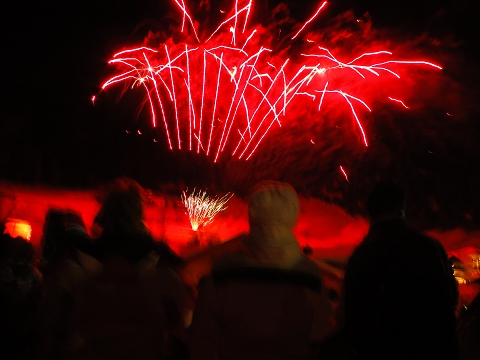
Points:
[326,228]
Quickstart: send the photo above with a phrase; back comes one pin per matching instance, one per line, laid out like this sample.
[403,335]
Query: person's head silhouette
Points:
[386,200]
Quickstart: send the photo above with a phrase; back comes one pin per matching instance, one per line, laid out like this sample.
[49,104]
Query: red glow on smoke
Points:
[223,94]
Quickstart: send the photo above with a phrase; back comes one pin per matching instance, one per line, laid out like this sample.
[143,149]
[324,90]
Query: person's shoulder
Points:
[369,246]
[308,266]
[305,273]
[236,258]
[426,240]
[143,237]
[372,253]
[167,255]
[424,237]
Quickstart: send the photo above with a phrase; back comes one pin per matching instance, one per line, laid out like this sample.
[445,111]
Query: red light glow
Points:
[222,94]
[18,228]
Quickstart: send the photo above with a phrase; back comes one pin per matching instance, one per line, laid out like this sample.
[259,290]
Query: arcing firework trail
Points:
[223,94]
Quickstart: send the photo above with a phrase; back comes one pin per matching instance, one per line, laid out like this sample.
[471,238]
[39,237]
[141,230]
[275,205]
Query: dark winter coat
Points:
[400,295]
[122,307]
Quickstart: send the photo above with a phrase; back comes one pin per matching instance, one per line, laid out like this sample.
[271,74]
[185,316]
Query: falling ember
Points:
[344,173]
[202,209]
[222,94]
[399,101]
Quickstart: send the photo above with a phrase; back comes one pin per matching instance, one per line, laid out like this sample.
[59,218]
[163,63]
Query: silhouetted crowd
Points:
[121,294]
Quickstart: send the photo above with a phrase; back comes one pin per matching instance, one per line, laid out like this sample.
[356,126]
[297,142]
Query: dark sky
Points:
[54,56]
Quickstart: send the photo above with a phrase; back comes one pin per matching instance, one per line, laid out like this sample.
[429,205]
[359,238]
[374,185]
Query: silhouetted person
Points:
[469,330]
[400,293]
[68,262]
[19,280]
[268,300]
[128,307]
[52,240]
[76,238]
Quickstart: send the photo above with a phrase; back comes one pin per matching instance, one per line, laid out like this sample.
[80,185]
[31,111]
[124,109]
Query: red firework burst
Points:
[224,93]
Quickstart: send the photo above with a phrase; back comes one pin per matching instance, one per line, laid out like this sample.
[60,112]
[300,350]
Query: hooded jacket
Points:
[267,301]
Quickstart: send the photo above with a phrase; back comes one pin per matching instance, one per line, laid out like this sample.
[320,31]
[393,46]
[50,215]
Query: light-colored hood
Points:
[273,211]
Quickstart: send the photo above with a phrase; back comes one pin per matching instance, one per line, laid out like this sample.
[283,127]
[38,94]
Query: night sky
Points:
[54,58]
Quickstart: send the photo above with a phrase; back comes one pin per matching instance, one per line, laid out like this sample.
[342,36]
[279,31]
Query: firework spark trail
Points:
[248,15]
[185,14]
[215,104]
[356,118]
[191,108]
[161,107]
[202,209]
[149,97]
[288,89]
[233,17]
[344,173]
[283,96]
[174,98]
[259,105]
[399,101]
[203,98]
[221,147]
[230,108]
[323,95]
[244,89]
[151,107]
[235,24]
[310,20]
